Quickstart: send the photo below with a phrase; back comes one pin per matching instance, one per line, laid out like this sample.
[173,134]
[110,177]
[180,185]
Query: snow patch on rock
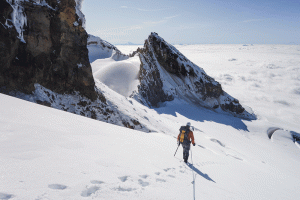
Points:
[18,17]
[79,12]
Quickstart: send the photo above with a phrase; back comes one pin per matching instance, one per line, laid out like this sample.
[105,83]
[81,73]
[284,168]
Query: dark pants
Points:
[186,150]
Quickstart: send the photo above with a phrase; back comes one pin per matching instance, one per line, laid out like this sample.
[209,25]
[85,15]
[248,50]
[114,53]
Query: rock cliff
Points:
[44,42]
[44,59]
[166,74]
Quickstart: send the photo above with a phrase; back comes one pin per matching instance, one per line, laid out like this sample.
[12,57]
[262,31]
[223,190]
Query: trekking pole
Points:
[194,176]
[177,149]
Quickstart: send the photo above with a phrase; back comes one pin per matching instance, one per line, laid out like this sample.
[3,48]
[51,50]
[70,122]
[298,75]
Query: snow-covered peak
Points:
[94,40]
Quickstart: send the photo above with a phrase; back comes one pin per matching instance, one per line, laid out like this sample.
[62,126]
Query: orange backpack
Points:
[184,131]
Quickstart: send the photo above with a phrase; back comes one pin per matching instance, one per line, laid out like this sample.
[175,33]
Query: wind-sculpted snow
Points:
[120,76]
[167,74]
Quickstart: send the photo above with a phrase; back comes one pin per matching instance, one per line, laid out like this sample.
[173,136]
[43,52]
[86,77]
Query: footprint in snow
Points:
[5,196]
[160,180]
[89,191]
[142,183]
[144,176]
[96,182]
[171,176]
[57,186]
[157,173]
[168,169]
[121,189]
[123,178]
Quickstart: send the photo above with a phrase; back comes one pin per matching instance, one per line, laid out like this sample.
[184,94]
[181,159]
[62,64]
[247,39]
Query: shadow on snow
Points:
[199,172]
[200,114]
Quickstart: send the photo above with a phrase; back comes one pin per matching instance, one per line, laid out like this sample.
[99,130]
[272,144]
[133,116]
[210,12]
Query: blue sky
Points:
[195,21]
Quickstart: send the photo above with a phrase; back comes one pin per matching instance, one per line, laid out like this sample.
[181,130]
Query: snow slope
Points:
[116,70]
[51,154]
[120,75]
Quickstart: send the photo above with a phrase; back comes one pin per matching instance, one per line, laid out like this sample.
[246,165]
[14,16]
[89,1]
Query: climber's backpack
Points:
[184,131]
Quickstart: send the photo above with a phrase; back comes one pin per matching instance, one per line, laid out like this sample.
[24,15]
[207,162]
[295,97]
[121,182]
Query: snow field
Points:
[61,155]
[50,154]
[57,155]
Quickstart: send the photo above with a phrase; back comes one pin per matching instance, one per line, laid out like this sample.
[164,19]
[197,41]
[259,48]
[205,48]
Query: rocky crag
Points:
[44,43]
[44,59]
[166,74]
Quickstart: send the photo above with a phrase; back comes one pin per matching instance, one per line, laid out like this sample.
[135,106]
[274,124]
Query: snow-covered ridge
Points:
[100,49]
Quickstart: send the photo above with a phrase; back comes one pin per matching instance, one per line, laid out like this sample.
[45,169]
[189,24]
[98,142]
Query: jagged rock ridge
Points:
[166,74]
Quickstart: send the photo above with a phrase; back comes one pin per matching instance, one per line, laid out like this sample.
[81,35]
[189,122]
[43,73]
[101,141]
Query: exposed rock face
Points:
[51,50]
[166,74]
[44,59]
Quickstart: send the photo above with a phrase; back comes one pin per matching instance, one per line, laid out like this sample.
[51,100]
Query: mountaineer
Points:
[185,138]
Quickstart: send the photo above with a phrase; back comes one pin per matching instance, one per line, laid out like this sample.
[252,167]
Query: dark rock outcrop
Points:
[51,52]
[44,59]
[166,74]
